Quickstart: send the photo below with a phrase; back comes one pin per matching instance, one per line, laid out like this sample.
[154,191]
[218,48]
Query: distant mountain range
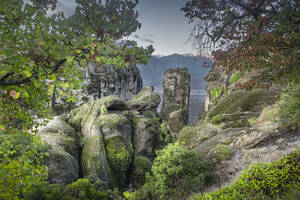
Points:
[153,72]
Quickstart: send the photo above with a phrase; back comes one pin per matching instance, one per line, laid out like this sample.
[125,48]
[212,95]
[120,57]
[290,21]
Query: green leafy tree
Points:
[176,173]
[112,18]
[42,53]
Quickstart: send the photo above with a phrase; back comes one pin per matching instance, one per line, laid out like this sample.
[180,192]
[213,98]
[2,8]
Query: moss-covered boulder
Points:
[220,153]
[59,125]
[82,117]
[119,154]
[146,99]
[94,160]
[116,125]
[237,107]
[191,137]
[103,130]
[63,165]
[240,100]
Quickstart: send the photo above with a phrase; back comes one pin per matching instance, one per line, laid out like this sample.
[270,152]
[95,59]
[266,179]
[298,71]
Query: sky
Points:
[163,25]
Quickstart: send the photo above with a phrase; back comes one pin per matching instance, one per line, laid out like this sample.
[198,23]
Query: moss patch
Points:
[242,101]
[220,153]
[112,120]
[193,136]
[120,156]
[94,160]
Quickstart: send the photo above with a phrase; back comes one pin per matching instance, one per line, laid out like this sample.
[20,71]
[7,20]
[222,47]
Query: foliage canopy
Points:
[248,34]
[42,52]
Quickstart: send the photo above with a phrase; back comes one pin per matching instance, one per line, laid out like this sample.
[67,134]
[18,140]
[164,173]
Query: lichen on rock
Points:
[191,137]
[146,99]
[119,155]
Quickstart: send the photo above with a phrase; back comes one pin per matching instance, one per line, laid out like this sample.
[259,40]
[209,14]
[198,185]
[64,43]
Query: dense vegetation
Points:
[41,54]
[277,180]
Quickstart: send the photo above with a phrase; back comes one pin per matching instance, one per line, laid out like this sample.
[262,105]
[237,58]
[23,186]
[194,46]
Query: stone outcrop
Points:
[111,137]
[145,100]
[238,127]
[176,92]
[101,81]
[62,166]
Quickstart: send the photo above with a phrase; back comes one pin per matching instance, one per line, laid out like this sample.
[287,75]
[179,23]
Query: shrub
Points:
[235,77]
[218,119]
[82,189]
[44,191]
[177,172]
[289,112]
[215,93]
[22,157]
[277,180]
[142,166]
[220,153]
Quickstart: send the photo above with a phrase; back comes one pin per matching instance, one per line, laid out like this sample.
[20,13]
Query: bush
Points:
[82,189]
[218,119]
[177,172]
[142,166]
[235,77]
[44,191]
[277,180]
[22,157]
[289,112]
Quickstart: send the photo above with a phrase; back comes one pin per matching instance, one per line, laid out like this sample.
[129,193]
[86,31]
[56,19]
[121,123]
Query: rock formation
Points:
[176,94]
[63,166]
[101,81]
[111,137]
[238,127]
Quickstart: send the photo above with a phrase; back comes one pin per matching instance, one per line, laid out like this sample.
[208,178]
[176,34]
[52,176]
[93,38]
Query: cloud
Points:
[143,39]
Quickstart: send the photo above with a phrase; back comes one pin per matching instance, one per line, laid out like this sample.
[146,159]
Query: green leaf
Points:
[27,73]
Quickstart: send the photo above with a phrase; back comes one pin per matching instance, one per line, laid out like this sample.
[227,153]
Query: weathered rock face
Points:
[238,127]
[145,100]
[176,94]
[103,81]
[63,165]
[111,138]
[145,136]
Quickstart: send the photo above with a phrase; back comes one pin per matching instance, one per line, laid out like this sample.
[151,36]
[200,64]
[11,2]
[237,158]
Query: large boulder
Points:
[107,150]
[145,100]
[192,137]
[62,165]
[176,88]
[118,133]
[94,161]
